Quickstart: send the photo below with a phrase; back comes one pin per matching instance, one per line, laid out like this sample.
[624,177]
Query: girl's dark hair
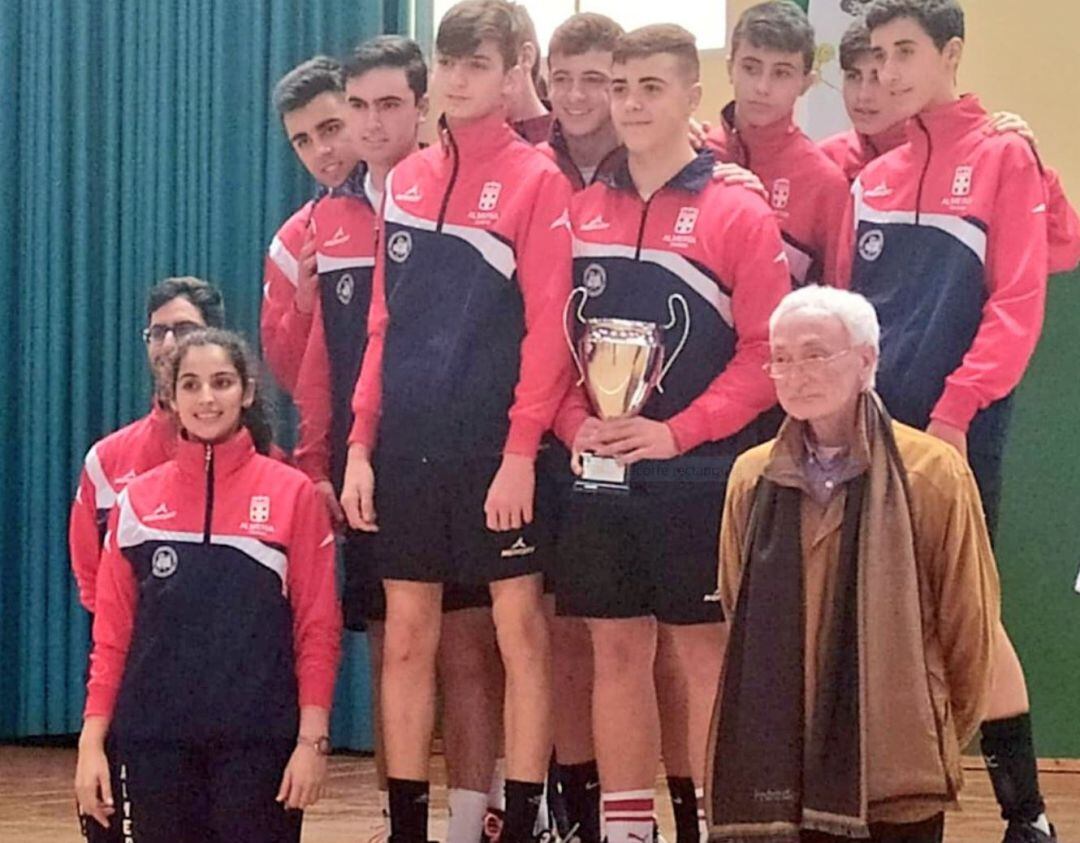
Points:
[255,418]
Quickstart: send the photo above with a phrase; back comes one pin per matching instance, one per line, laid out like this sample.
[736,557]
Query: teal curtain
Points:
[139,142]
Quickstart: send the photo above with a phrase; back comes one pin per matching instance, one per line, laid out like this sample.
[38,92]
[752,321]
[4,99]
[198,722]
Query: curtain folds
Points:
[139,142]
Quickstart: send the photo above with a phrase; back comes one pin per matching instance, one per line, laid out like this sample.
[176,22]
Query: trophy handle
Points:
[566,328]
[674,297]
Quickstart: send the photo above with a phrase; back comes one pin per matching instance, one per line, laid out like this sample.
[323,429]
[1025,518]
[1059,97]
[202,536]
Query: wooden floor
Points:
[37,805]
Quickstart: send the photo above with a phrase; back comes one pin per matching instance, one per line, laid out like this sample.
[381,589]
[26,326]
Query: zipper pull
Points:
[209,455]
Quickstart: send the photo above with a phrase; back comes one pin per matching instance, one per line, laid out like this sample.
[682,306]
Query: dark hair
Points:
[526,32]
[660,38]
[469,22]
[942,20]
[855,45]
[394,51]
[306,81]
[204,295]
[583,32]
[255,418]
[778,25]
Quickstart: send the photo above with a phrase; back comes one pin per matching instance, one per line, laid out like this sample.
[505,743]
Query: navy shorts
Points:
[363,600]
[647,554]
[432,526]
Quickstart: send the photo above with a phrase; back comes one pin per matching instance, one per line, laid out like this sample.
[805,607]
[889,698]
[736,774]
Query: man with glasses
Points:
[175,307]
[857,576]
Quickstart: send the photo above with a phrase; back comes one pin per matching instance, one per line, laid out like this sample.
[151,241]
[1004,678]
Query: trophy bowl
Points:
[620,361]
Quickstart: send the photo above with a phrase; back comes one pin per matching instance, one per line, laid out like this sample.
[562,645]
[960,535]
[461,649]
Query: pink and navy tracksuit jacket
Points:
[947,237]
[110,465]
[851,152]
[465,352]
[719,247]
[807,191]
[216,612]
[338,335]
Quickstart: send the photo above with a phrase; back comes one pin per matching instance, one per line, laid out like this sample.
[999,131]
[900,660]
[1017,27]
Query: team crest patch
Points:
[344,289]
[872,244]
[781,193]
[961,185]
[399,247]
[259,511]
[489,196]
[685,222]
[164,561]
[594,279]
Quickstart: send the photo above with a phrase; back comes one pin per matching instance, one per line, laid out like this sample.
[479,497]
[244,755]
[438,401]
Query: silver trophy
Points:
[620,362]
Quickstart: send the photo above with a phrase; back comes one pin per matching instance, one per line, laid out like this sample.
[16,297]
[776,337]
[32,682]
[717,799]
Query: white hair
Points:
[855,313]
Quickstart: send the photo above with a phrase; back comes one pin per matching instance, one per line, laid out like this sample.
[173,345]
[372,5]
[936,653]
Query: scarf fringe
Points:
[783,832]
[835,825]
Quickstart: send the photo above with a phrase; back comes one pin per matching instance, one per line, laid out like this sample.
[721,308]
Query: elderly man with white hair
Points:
[862,593]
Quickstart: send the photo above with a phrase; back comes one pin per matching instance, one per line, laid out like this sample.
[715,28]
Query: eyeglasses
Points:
[815,364]
[179,330]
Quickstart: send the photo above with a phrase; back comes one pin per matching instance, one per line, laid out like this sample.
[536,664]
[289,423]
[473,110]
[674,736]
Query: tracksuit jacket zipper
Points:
[209,493]
[641,228]
[453,181]
[925,169]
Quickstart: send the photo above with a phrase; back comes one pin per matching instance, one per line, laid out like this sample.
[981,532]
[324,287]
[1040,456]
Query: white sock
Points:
[1043,824]
[497,794]
[628,815]
[702,825]
[467,809]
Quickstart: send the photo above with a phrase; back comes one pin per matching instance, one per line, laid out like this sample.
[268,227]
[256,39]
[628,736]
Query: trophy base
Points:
[602,475]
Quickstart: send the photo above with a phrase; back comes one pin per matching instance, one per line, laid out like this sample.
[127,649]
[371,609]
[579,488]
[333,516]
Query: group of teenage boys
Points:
[414,309]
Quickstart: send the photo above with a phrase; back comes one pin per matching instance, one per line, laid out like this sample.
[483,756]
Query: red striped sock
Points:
[628,816]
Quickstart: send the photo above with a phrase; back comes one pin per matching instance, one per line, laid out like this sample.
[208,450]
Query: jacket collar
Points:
[228,456]
[947,122]
[787,460]
[535,130]
[352,186]
[756,142]
[875,145]
[477,139]
[693,178]
[608,164]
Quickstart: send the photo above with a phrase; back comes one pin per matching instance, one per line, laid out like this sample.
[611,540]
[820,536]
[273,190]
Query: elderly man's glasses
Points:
[811,365]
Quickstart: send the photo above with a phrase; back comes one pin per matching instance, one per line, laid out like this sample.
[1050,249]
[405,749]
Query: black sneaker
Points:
[1027,833]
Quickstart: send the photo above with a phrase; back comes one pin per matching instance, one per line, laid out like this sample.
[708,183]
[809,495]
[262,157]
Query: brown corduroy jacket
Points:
[960,601]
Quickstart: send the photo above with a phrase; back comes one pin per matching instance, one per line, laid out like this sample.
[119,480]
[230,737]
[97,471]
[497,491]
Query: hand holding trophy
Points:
[620,362]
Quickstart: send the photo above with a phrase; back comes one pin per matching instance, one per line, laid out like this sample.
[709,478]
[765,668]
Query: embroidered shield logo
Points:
[259,511]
